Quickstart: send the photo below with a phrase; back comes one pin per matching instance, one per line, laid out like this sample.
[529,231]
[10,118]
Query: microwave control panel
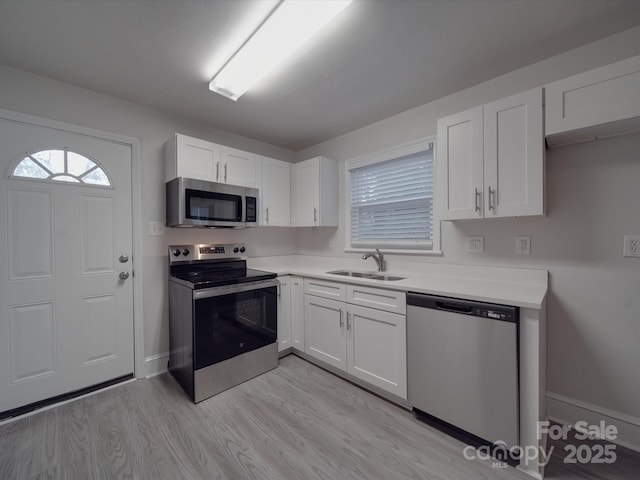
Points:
[251,209]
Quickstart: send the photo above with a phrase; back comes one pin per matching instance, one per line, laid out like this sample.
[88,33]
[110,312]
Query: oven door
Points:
[232,320]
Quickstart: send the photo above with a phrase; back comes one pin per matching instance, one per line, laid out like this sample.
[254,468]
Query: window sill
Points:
[394,251]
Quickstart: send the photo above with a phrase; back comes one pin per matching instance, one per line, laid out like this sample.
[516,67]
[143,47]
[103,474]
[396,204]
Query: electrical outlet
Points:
[156,229]
[332,242]
[631,246]
[523,245]
[474,244]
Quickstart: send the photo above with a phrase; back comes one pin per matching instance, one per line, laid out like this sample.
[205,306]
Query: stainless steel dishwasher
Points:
[463,364]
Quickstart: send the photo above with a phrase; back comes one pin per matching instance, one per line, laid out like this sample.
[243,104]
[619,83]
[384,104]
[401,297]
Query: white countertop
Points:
[525,288]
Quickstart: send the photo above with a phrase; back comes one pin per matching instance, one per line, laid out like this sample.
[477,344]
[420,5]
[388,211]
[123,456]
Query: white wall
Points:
[26,93]
[593,197]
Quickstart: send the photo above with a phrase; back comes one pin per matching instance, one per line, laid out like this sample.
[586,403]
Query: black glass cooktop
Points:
[208,275]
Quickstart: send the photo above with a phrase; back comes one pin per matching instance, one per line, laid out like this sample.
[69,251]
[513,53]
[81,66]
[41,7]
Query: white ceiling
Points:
[379,58]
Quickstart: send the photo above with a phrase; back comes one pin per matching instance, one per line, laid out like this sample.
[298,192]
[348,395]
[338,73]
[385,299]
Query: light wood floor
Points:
[295,422]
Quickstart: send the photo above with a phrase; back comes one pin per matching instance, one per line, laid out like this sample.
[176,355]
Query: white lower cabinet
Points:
[290,313]
[366,343]
[377,348]
[325,335]
[284,313]
[297,313]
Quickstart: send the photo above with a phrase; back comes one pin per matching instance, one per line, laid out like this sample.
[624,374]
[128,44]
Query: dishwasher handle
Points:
[455,308]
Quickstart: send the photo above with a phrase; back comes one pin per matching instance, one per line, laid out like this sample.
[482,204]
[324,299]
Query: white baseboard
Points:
[568,411]
[156,364]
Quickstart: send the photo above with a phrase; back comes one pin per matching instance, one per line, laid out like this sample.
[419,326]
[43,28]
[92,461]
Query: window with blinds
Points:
[392,202]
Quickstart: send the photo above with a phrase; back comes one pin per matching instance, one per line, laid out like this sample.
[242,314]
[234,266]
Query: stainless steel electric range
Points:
[222,318]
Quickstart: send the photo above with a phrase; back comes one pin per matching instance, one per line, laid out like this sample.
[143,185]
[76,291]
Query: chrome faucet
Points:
[378,257]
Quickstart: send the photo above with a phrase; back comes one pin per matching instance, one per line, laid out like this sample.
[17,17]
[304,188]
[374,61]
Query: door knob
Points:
[123,258]
[124,275]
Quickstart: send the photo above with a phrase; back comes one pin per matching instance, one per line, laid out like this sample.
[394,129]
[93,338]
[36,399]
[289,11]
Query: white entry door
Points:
[66,315]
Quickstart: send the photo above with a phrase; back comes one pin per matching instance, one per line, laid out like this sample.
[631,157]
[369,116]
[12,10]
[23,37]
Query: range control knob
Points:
[186,252]
[236,250]
[242,249]
[176,252]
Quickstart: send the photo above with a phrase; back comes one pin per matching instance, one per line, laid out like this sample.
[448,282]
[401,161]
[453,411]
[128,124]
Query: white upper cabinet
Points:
[191,157]
[238,167]
[599,103]
[514,156]
[276,193]
[314,196]
[460,165]
[194,158]
[491,160]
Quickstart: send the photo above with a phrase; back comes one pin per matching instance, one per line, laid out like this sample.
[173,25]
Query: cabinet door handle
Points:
[217,171]
[279,290]
[491,194]
[341,320]
[266,211]
[315,215]
[348,322]
[225,172]
[478,200]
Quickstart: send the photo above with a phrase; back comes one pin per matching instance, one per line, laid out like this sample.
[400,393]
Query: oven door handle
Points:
[231,289]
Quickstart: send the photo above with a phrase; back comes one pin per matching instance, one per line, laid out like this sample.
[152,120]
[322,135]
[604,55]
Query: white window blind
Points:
[392,203]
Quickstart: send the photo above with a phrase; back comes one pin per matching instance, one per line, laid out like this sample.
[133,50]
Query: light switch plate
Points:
[156,229]
[523,245]
[631,246]
[474,244]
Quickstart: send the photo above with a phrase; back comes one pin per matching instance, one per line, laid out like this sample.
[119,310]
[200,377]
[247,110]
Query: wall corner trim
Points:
[156,364]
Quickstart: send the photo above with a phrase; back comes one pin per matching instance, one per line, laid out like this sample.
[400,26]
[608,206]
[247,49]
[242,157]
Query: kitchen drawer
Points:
[378,298]
[322,288]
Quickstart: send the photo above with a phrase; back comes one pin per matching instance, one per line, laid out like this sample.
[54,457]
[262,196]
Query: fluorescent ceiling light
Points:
[288,26]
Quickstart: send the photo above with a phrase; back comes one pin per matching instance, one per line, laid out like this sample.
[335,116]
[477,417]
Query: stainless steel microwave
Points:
[196,203]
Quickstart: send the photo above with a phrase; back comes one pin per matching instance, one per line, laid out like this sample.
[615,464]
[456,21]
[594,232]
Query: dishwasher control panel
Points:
[508,316]
[493,311]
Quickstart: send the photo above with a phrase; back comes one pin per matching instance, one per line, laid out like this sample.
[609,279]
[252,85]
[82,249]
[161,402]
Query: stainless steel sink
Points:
[369,275]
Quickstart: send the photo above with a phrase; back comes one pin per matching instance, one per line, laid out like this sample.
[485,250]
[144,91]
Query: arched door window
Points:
[61,165]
